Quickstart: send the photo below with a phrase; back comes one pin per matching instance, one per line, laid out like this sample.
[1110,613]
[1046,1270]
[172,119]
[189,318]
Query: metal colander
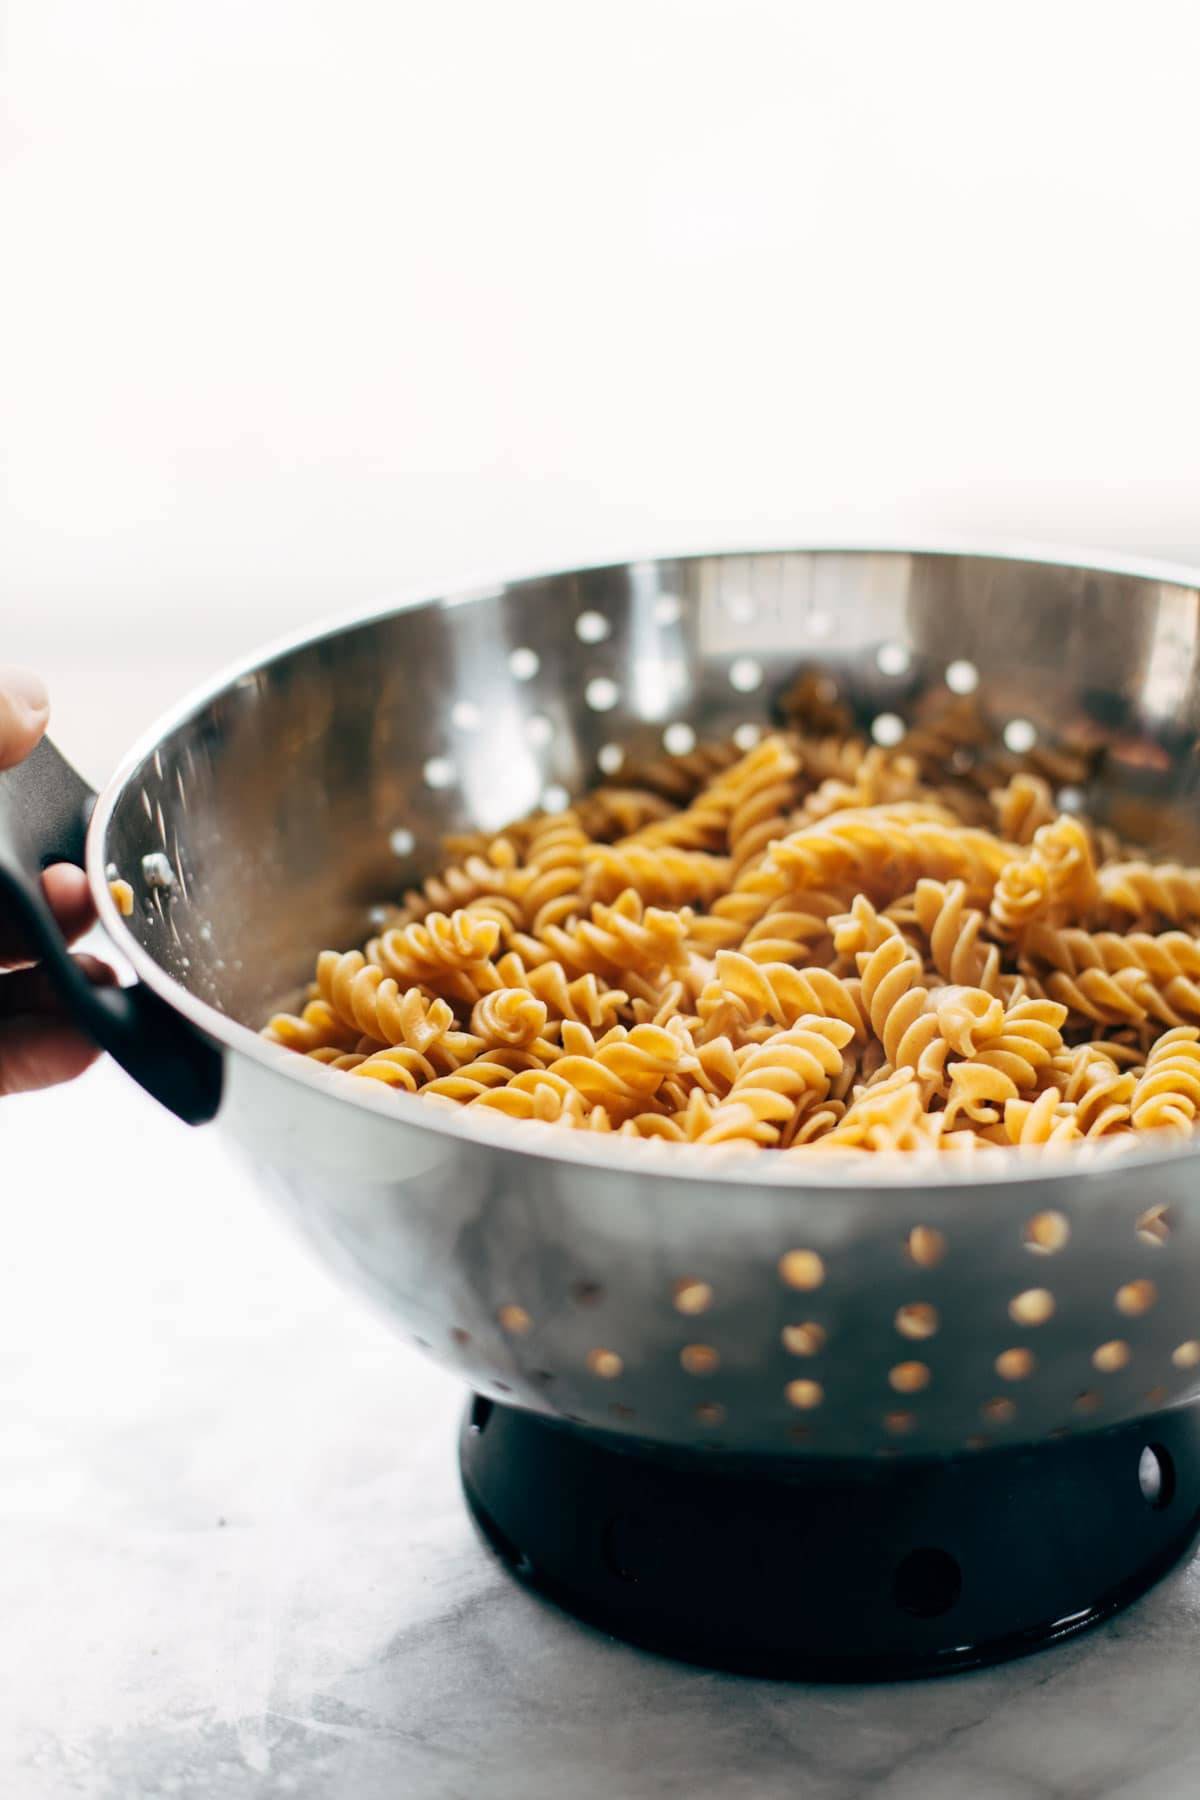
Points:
[668,1294]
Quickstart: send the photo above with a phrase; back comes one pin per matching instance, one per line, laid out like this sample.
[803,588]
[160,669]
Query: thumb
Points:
[24,709]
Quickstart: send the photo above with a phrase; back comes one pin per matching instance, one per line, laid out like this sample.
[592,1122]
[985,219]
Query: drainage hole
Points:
[927,1583]
[481,1412]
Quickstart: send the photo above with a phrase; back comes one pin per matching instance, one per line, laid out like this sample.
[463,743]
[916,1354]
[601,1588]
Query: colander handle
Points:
[45,806]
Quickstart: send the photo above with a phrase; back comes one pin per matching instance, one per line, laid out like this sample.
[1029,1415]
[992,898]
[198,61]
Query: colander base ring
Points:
[835,1571]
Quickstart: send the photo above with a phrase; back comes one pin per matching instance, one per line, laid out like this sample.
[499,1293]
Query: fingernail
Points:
[25,686]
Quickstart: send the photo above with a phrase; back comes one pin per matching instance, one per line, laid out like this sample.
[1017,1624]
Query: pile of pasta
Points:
[810,945]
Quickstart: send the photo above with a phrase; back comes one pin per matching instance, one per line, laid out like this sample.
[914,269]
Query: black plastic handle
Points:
[44,810]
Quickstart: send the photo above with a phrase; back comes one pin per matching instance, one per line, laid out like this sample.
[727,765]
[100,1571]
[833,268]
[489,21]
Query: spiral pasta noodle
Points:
[750,992]
[620,1071]
[481,873]
[361,995]
[509,1016]
[316,1029]
[1116,979]
[1100,1092]
[954,934]
[549,884]
[1166,1095]
[778,1080]
[793,933]
[661,876]
[885,850]
[445,945]
[582,998]
[1158,892]
[627,936]
[611,813]
[876,779]
[888,1116]
[1056,879]
[1046,1120]
[761,802]
[1022,806]
[814,946]
[540,1094]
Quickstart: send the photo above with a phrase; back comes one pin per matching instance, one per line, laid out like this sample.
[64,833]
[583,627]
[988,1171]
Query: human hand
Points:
[38,1044]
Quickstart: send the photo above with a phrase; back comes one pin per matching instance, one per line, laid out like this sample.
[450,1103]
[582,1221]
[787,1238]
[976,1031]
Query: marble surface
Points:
[236,1564]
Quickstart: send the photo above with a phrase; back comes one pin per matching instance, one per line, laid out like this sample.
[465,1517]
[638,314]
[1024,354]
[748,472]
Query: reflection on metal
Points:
[1170,670]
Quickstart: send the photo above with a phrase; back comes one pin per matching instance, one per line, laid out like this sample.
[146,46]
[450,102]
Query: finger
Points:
[31,993]
[40,1053]
[67,890]
[39,1047]
[24,710]
[70,899]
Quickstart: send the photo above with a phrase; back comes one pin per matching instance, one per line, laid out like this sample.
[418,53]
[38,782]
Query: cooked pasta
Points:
[662,876]
[814,946]
[1023,805]
[511,1016]
[778,1079]
[762,800]
[361,995]
[548,887]
[953,932]
[482,873]
[1167,1092]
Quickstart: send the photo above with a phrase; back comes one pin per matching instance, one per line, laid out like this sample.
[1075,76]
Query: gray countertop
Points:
[236,1563]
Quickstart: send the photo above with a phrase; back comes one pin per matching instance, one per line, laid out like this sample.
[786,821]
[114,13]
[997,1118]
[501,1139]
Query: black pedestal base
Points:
[836,1570]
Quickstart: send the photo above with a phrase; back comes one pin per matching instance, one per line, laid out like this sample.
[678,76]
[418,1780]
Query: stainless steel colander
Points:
[664,1294]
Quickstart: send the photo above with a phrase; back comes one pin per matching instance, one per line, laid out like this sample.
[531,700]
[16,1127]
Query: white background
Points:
[304,303]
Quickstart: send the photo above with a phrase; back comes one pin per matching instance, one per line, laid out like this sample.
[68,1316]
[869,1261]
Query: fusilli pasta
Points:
[815,946]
